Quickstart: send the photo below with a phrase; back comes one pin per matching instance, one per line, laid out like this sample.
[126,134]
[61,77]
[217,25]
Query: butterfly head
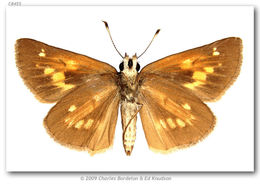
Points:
[129,65]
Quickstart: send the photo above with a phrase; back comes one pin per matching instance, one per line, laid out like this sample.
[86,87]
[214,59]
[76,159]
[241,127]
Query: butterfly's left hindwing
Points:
[85,119]
[50,72]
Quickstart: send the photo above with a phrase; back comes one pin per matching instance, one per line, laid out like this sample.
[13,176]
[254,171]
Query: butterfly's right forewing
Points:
[50,72]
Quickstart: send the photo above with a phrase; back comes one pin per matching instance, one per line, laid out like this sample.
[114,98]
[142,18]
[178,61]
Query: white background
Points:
[177,178]
[228,148]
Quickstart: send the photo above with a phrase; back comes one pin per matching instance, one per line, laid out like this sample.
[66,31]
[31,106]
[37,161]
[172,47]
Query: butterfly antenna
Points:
[111,38]
[156,33]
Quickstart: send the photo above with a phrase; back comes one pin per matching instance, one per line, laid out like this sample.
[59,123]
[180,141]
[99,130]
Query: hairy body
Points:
[129,102]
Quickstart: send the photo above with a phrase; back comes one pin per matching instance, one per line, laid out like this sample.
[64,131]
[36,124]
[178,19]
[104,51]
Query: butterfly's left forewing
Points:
[172,117]
[206,71]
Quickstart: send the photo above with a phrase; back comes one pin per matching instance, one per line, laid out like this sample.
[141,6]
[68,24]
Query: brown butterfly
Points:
[168,93]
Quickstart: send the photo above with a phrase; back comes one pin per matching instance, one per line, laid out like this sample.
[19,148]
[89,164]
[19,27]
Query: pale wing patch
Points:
[72,108]
[215,52]
[65,86]
[59,78]
[48,70]
[71,65]
[162,123]
[88,108]
[79,124]
[209,69]
[199,75]
[186,106]
[193,85]
[171,123]
[42,53]
[186,64]
[88,124]
[70,124]
[180,123]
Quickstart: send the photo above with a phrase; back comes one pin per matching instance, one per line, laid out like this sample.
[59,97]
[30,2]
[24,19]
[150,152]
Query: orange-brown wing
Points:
[207,71]
[172,117]
[85,119]
[50,72]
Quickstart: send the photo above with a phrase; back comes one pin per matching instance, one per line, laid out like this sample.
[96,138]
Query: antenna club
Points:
[111,38]
[105,24]
[157,32]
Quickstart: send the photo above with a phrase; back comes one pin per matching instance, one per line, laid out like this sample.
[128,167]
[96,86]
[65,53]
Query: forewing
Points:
[207,71]
[85,119]
[172,117]
[50,72]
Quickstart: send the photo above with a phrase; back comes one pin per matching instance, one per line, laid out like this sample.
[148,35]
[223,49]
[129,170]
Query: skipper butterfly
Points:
[169,93]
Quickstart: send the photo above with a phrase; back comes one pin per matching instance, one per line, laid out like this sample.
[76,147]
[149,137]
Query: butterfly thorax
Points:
[127,78]
[129,102]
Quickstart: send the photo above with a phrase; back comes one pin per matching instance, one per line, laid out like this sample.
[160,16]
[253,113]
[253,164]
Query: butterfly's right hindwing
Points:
[85,119]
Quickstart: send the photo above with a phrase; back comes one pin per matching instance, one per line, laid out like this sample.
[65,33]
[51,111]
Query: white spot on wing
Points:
[70,123]
[72,108]
[79,124]
[186,106]
[209,69]
[180,123]
[193,85]
[162,123]
[171,123]
[215,52]
[48,70]
[42,53]
[88,124]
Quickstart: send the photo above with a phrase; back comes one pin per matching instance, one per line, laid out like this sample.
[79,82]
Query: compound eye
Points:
[137,67]
[121,66]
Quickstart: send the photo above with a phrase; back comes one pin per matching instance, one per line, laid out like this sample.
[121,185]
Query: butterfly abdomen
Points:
[129,109]
[128,115]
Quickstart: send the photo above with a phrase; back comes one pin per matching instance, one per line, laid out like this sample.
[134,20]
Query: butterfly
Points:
[169,94]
